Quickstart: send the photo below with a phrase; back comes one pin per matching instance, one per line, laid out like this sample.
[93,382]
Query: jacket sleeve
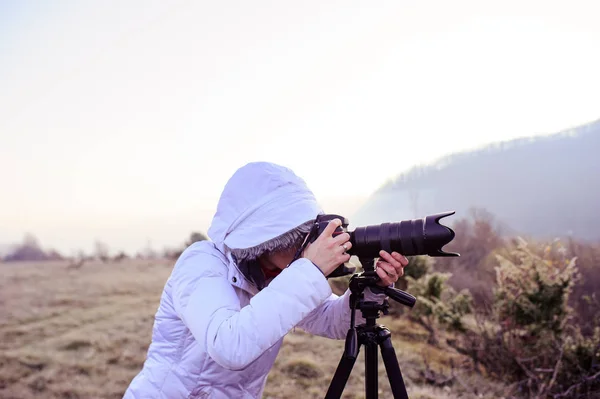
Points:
[332,318]
[235,336]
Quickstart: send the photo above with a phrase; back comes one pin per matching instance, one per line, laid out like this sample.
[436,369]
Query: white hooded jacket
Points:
[215,334]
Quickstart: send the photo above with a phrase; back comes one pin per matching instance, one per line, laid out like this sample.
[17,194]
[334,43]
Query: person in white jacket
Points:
[229,301]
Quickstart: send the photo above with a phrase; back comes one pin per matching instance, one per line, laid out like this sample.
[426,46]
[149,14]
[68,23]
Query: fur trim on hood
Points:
[287,240]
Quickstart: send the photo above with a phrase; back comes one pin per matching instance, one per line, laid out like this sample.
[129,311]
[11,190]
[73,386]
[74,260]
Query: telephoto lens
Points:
[424,236]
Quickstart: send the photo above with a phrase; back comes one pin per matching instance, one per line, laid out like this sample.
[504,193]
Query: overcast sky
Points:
[122,120]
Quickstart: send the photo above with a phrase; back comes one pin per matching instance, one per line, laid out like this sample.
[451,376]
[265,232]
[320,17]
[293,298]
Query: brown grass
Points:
[84,333]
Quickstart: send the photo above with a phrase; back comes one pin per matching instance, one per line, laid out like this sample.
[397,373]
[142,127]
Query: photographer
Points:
[229,302]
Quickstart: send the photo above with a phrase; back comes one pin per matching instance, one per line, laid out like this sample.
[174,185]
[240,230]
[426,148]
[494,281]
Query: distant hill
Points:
[4,249]
[544,187]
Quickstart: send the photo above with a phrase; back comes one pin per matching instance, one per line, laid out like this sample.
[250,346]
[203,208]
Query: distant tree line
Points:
[30,250]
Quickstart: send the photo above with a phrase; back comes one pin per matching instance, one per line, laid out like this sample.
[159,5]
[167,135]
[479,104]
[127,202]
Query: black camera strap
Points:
[309,237]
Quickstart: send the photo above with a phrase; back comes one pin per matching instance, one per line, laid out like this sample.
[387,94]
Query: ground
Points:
[83,332]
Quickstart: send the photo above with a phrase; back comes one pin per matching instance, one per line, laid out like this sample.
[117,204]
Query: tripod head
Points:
[370,310]
[369,278]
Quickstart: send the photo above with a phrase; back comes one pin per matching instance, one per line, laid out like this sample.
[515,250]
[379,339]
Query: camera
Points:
[425,236]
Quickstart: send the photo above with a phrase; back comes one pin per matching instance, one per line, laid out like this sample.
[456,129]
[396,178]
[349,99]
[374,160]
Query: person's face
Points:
[277,260]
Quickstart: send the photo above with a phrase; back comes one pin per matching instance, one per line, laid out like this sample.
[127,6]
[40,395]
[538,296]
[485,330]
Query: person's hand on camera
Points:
[390,267]
[328,252]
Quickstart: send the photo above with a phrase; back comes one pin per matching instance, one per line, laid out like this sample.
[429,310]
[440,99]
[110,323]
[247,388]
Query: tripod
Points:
[370,335]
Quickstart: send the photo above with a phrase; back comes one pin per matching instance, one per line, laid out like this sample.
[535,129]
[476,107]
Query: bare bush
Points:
[101,251]
[477,237]
[584,299]
[528,338]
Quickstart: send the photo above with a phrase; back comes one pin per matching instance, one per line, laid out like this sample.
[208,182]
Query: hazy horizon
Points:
[122,121]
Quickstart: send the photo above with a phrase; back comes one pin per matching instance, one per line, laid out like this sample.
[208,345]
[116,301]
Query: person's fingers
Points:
[341,239]
[388,269]
[400,258]
[390,259]
[330,228]
[344,257]
[344,247]
[386,280]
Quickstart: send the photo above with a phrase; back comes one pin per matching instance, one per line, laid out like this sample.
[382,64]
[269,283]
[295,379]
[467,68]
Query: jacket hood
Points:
[261,201]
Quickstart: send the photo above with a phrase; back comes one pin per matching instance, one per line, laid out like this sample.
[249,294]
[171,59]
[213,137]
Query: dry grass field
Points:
[83,333]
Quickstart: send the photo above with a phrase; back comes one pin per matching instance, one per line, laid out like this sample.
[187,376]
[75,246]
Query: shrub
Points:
[438,303]
[528,337]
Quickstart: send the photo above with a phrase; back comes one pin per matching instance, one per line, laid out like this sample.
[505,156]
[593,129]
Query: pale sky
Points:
[122,120]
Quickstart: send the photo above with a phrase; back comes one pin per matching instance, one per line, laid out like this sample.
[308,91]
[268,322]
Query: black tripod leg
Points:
[338,382]
[371,385]
[392,368]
